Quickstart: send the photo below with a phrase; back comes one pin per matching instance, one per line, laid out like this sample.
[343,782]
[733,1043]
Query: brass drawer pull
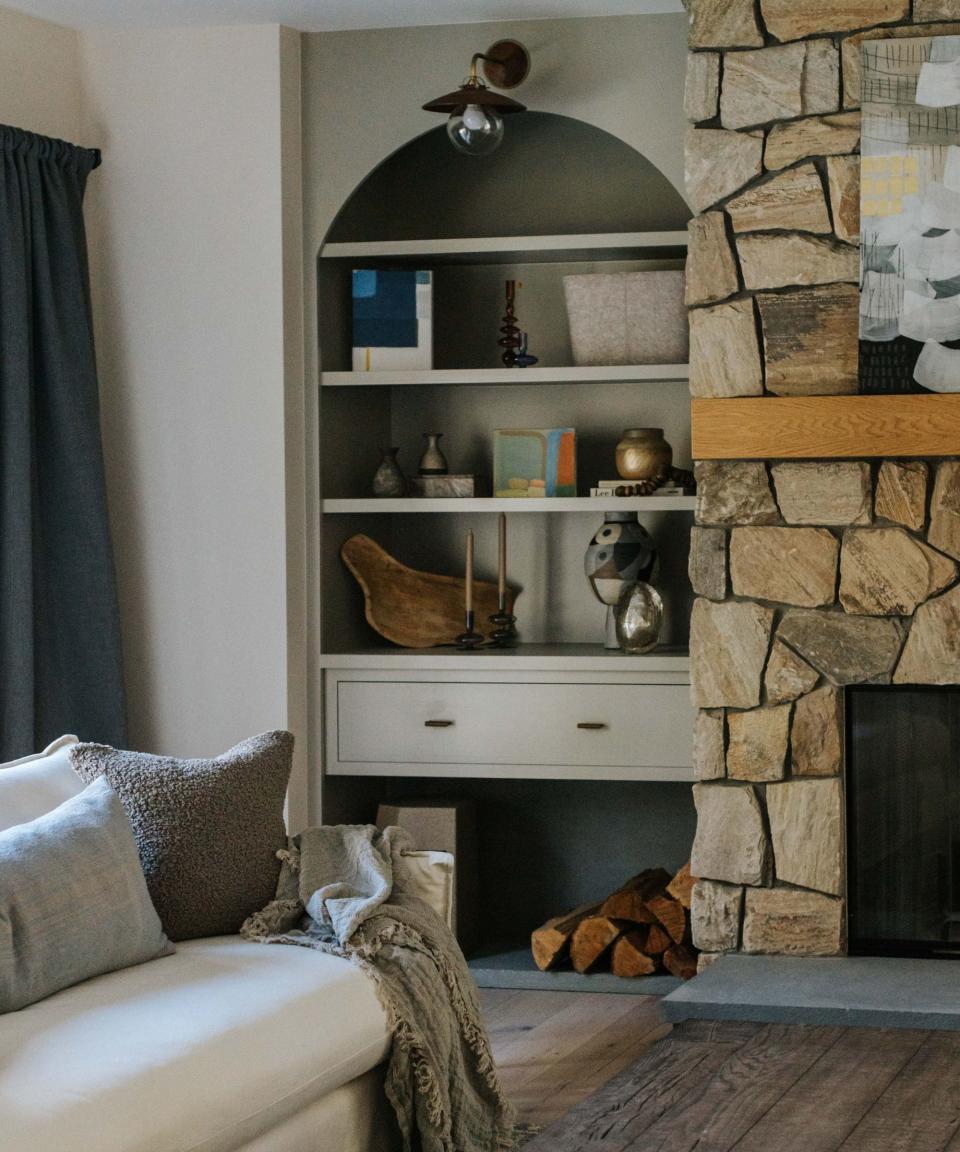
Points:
[438,723]
[591,725]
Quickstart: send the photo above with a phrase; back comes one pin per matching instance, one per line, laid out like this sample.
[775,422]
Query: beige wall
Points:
[39,76]
[196,273]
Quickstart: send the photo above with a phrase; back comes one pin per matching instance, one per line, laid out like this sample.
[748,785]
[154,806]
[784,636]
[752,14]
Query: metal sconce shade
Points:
[505,65]
[474,94]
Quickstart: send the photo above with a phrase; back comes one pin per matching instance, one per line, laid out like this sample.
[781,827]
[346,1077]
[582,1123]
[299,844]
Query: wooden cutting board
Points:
[411,608]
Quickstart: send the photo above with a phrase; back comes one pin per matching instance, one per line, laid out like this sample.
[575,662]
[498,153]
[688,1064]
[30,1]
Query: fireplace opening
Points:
[903,821]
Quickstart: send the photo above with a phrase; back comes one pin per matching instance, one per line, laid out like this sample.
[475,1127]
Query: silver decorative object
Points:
[639,618]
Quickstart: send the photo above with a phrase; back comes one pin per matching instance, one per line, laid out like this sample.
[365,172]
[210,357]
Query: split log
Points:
[629,957]
[630,902]
[591,940]
[671,914]
[550,943]
[681,960]
[681,886]
[658,940]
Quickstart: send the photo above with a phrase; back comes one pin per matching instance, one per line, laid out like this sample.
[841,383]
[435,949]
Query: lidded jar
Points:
[643,454]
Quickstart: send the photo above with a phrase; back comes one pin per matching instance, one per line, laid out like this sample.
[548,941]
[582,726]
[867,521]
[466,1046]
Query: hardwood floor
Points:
[719,1087]
[554,1049]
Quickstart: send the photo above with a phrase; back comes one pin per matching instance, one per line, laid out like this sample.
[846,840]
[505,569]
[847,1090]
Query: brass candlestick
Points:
[470,639]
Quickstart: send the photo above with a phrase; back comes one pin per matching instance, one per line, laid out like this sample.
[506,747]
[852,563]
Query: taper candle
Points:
[468,604]
[502,562]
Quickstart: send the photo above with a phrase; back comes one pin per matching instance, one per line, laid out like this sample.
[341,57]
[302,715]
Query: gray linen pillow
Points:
[73,901]
[208,830]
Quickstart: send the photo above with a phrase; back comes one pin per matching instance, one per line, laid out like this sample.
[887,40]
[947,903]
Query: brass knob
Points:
[438,723]
[591,725]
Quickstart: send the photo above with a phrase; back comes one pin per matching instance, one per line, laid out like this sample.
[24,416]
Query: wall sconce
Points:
[476,114]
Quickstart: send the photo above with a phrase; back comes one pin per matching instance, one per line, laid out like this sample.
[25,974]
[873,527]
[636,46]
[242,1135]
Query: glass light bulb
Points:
[476,131]
[474,118]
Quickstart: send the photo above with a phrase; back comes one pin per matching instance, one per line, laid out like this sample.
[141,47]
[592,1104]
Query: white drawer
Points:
[537,729]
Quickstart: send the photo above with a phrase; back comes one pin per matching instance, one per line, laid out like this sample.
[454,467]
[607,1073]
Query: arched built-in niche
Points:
[552,174]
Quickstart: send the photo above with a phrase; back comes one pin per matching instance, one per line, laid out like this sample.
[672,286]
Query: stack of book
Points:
[626,488]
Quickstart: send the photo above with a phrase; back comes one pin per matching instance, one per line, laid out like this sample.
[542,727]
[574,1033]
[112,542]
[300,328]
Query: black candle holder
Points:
[504,634]
[470,639]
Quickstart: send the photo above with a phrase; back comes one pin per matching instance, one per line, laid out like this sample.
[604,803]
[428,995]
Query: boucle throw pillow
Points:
[208,830]
[73,903]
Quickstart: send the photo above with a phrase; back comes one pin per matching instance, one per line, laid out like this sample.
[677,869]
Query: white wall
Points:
[197,300]
[39,76]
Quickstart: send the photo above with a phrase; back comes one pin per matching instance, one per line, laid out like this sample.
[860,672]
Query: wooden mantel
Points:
[823,427]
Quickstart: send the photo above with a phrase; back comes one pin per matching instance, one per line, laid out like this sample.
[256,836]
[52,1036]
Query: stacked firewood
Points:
[642,928]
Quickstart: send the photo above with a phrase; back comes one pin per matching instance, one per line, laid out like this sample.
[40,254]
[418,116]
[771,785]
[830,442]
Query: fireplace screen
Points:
[903,813]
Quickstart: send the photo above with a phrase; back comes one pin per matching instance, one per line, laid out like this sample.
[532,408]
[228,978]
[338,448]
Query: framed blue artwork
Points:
[392,319]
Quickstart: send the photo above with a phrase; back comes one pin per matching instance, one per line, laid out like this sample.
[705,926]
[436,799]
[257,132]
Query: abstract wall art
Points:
[910,216]
[392,319]
[532,462]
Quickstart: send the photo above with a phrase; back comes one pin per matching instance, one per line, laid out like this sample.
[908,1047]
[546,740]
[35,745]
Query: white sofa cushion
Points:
[35,785]
[197,1051]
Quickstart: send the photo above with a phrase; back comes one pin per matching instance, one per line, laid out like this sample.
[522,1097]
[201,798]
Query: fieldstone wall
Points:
[809,575]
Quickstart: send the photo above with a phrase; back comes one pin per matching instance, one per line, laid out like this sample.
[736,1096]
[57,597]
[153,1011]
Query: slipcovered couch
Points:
[224,1045]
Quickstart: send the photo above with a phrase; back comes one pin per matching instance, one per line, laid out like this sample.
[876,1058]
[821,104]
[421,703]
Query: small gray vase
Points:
[433,462]
[389,480]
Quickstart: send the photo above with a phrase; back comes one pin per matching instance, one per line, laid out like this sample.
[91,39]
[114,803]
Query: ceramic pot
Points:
[433,462]
[389,480]
[620,553]
[639,618]
[643,454]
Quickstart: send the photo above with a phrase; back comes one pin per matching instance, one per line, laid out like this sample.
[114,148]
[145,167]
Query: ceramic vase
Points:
[433,462]
[643,454]
[639,618]
[388,480]
[621,553]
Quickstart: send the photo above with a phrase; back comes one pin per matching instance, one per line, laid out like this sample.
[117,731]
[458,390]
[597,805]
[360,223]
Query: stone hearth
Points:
[810,575]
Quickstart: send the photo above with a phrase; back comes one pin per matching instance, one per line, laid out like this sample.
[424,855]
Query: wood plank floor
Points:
[718,1087]
[554,1049]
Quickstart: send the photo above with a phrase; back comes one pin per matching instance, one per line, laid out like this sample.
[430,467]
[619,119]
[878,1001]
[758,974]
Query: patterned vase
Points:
[620,553]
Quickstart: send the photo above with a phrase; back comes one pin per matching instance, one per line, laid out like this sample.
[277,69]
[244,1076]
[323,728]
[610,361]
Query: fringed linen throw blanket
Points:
[341,891]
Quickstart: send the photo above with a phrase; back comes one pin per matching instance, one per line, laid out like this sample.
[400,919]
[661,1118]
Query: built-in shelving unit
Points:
[560,744]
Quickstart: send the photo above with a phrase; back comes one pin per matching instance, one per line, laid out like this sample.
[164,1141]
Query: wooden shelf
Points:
[523,504]
[528,657]
[569,374]
[519,249]
[832,427]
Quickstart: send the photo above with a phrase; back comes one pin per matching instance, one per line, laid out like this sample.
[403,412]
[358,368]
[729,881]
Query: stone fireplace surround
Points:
[810,575]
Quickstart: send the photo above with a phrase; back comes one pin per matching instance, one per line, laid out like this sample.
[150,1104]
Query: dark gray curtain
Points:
[60,667]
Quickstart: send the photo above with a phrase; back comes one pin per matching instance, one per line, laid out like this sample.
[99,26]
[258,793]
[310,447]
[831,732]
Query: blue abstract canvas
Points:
[392,319]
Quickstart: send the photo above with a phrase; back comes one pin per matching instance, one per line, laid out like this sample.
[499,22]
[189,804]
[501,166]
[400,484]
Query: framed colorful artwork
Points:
[534,462]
